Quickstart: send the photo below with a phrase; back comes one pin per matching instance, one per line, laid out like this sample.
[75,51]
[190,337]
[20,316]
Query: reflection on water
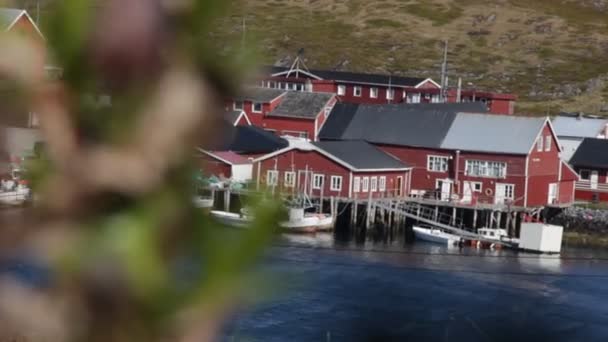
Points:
[378,287]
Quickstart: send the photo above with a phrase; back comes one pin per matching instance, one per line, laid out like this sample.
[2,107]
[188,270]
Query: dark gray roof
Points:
[245,139]
[304,105]
[232,115]
[396,124]
[339,119]
[357,77]
[360,155]
[9,15]
[493,133]
[592,153]
[258,94]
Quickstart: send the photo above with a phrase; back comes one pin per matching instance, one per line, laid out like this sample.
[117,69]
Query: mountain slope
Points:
[553,53]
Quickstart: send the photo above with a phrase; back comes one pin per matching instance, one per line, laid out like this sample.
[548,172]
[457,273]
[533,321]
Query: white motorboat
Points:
[14,197]
[302,222]
[232,219]
[435,235]
[202,202]
[497,234]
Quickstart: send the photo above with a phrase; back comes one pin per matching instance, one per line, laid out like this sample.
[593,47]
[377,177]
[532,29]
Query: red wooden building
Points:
[344,169]
[225,164]
[362,88]
[299,114]
[591,162]
[464,157]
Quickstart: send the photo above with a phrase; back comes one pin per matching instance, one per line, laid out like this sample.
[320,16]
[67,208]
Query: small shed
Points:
[226,164]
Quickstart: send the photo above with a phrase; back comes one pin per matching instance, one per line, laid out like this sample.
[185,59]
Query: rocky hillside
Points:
[553,53]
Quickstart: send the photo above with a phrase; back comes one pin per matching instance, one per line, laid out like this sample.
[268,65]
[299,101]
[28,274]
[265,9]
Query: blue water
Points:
[383,289]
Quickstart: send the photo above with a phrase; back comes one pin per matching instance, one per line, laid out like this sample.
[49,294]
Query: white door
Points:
[594,179]
[504,193]
[445,186]
[467,192]
[552,193]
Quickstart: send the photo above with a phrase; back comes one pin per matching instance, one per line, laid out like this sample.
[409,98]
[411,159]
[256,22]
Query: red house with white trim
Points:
[345,169]
[591,162]
[362,88]
[464,157]
[299,114]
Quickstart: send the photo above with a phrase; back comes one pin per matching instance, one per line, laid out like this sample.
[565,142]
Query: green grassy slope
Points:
[547,51]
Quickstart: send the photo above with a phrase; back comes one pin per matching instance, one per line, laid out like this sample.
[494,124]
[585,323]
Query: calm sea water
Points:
[381,288]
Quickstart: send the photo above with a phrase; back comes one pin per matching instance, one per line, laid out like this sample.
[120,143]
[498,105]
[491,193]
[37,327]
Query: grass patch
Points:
[380,23]
[595,240]
[438,14]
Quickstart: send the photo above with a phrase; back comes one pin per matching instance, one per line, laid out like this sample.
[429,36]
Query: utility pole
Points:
[444,72]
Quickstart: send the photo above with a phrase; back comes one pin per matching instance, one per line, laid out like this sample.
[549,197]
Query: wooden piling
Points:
[227,200]
[475,219]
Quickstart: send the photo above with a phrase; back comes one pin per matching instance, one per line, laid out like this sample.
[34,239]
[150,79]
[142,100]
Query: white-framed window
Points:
[435,99]
[272,84]
[373,92]
[238,105]
[413,98]
[390,94]
[357,91]
[489,169]
[509,191]
[382,183]
[290,179]
[548,143]
[374,184]
[317,181]
[476,186]
[299,87]
[365,184]
[585,175]
[539,144]
[256,107]
[437,164]
[357,184]
[341,90]
[405,95]
[272,177]
[336,183]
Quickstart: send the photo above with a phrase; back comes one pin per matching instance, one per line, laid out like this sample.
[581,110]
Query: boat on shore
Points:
[431,234]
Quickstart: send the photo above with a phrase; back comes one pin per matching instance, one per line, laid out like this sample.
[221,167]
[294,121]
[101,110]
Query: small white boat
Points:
[202,202]
[16,197]
[232,219]
[301,222]
[435,235]
[493,234]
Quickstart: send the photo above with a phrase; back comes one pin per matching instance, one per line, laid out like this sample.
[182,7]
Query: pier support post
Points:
[499,219]
[453,219]
[227,200]
[475,219]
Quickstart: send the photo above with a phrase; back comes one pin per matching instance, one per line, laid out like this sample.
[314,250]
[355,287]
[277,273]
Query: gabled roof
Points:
[304,105]
[357,156]
[592,153]
[258,94]
[419,125]
[360,154]
[227,157]
[353,77]
[493,133]
[252,139]
[578,127]
[10,16]
[233,116]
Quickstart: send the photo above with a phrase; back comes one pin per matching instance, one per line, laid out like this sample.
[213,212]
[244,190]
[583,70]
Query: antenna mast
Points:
[444,72]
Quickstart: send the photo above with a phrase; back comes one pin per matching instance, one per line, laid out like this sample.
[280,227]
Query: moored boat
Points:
[435,235]
[202,202]
[302,222]
[232,219]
